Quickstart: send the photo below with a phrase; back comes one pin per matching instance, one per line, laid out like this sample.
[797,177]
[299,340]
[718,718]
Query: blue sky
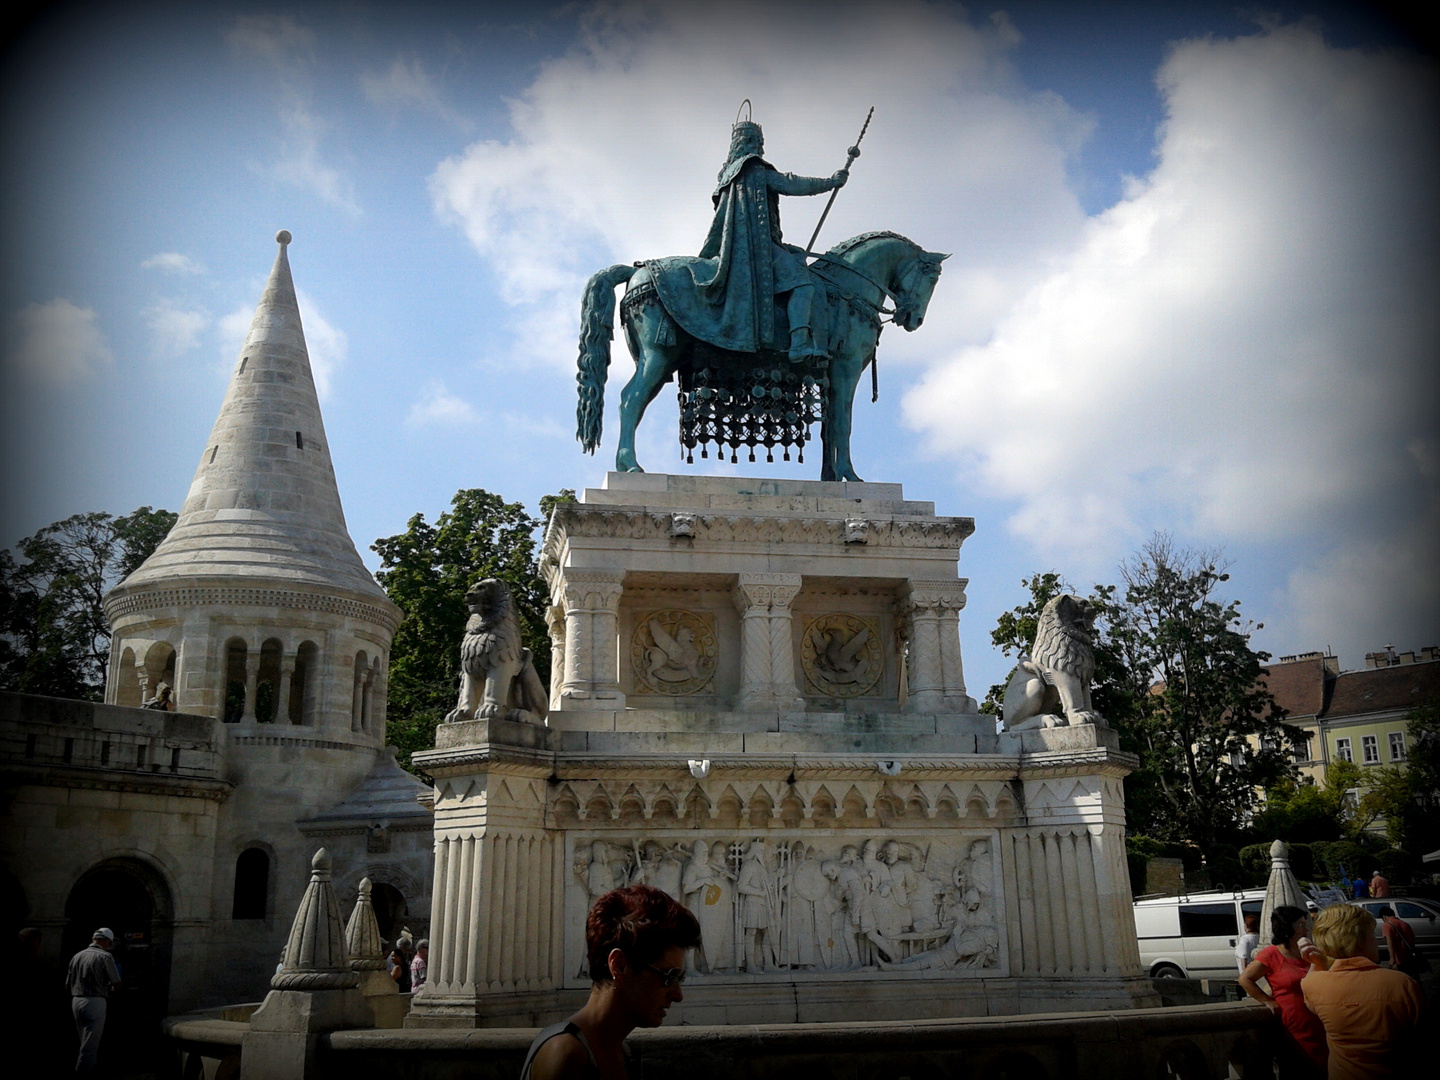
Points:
[1191,286]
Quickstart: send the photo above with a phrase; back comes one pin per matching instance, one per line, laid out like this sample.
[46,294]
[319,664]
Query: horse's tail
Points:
[597,328]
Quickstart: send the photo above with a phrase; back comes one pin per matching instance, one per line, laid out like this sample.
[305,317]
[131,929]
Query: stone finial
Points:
[315,955]
[1282,889]
[283,236]
[362,935]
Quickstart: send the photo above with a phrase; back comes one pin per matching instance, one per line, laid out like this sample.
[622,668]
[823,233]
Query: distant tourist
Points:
[92,976]
[1248,943]
[1400,944]
[636,939]
[1283,964]
[400,970]
[1358,889]
[420,965]
[1371,1014]
[1379,887]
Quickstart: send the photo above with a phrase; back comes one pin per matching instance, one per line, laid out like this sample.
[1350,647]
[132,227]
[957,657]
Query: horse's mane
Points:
[845,246]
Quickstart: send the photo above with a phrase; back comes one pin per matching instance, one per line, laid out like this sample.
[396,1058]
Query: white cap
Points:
[105,932]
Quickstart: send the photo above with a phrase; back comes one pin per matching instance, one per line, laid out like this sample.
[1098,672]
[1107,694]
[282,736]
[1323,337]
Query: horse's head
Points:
[912,284]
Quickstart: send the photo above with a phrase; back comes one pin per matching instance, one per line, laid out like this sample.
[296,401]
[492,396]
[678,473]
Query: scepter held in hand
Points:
[850,156]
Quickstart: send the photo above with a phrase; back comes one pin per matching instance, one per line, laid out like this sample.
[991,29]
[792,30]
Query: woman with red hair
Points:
[635,941]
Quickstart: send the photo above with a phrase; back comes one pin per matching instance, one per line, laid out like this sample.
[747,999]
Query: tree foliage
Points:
[1176,676]
[426,570]
[54,637]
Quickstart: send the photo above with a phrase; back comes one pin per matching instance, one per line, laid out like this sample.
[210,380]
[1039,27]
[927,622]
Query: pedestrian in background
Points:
[400,969]
[1371,1014]
[1248,943]
[93,977]
[1358,889]
[1283,963]
[420,965]
[1379,887]
[1400,944]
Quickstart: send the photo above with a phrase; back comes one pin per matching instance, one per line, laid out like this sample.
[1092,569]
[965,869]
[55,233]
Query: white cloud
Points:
[407,85]
[232,329]
[57,342]
[616,146]
[173,330]
[287,48]
[275,38]
[1243,348]
[437,405]
[173,262]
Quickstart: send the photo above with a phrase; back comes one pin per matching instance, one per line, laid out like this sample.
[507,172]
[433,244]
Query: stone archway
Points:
[132,899]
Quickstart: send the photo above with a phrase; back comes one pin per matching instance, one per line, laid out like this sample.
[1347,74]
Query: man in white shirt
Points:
[1248,943]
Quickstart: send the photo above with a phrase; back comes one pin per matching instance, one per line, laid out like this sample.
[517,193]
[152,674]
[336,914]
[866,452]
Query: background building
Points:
[190,832]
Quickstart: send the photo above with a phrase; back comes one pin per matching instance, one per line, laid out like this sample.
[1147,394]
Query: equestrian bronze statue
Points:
[764,342]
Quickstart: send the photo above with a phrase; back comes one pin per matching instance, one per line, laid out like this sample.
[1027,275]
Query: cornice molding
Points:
[143,600]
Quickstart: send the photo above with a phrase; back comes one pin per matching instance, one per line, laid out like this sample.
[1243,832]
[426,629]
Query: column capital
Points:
[948,595]
[592,590]
[765,592]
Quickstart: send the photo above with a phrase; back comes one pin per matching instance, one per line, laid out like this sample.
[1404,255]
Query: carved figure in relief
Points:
[768,907]
[838,658]
[673,652]
[498,677]
[757,902]
[840,655]
[1050,686]
[974,943]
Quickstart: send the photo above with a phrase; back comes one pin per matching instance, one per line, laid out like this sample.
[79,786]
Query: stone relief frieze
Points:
[780,906]
[840,655]
[673,652]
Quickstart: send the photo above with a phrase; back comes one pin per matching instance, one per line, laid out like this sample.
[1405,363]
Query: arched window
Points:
[236,655]
[252,885]
[302,694]
[267,682]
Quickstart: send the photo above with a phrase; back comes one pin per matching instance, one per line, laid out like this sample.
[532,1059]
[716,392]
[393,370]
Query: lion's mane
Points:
[1062,638]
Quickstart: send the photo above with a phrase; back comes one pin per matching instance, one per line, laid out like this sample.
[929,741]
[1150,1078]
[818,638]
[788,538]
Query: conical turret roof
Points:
[263,506]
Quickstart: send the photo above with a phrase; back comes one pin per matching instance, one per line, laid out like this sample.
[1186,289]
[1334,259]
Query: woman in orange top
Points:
[1282,964]
[1372,1015]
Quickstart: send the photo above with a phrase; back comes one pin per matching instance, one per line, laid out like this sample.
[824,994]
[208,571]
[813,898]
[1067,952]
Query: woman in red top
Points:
[1282,964]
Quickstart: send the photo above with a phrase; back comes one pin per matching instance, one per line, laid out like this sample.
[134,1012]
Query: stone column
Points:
[252,686]
[357,698]
[282,697]
[767,652]
[555,618]
[592,604]
[932,628]
[367,683]
[380,697]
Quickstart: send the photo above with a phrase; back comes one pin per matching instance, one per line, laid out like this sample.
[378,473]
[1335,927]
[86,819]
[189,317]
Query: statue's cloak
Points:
[726,296]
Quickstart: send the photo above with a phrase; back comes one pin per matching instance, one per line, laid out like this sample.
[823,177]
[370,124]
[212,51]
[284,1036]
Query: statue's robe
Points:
[726,296]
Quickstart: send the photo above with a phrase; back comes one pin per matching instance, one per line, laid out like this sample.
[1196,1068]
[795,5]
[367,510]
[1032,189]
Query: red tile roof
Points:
[1378,689]
[1298,687]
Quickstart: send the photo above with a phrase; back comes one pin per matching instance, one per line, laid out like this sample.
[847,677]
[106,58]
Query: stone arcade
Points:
[758,705]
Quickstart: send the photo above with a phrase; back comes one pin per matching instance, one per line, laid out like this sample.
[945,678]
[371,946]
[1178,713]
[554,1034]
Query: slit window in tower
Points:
[213,451]
[243,361]
[299,441]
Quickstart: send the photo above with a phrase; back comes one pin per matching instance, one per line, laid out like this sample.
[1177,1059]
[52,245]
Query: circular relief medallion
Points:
[673,652]
[840,655]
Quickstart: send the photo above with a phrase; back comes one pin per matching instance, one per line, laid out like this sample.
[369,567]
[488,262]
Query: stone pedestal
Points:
[796,759]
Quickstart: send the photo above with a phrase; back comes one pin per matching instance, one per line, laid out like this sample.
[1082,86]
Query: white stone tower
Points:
[257,610]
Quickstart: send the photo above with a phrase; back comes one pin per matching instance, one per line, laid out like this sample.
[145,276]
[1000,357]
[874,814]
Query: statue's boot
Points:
[802,345]
[802,341]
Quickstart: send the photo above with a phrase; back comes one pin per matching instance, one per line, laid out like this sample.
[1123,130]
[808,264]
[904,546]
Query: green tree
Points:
[1176,677]
[1210,731]
[426,570]
[54,637]
[1419,818]
[1300,813]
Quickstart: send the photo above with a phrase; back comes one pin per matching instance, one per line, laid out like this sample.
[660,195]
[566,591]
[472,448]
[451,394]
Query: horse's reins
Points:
[879,310]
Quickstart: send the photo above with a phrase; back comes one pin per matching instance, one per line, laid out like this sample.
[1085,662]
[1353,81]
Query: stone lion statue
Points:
[498,677]
[1051,685]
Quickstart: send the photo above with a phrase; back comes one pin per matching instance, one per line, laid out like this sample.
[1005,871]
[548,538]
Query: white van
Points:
[1193,936]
